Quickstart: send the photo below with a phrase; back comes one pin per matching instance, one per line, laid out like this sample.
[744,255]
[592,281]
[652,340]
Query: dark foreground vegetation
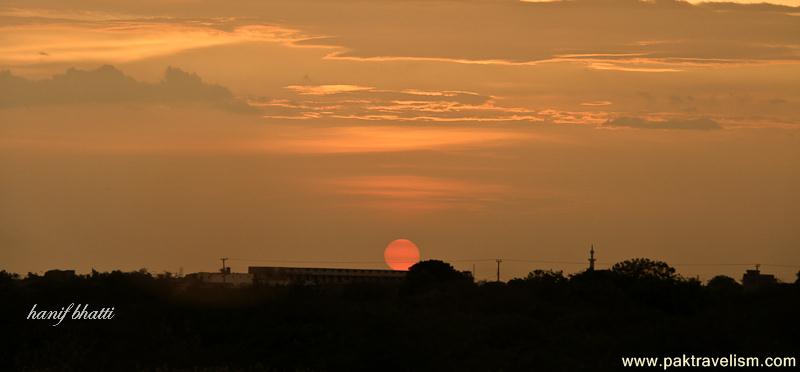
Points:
[436,320]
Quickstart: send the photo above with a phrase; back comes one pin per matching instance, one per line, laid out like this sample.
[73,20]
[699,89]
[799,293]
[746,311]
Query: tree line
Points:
[436,319]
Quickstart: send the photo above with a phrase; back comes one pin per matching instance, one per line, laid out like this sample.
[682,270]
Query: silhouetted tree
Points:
[645,268]
[7,277]
[165,275]
[723,283]
[546,277]
[433,273]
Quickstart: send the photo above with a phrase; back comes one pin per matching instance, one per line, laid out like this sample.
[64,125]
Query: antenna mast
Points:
[474,276]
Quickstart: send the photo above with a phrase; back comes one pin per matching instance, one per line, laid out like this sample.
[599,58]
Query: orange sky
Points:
[166,134]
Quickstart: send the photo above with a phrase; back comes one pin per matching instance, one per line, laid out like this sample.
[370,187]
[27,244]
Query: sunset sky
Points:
[167,134]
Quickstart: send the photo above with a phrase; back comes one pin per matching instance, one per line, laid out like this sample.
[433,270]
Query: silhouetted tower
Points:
[225,270]
[498,268]
[591,258]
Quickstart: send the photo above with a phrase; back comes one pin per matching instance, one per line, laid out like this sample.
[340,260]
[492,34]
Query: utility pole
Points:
[498,269]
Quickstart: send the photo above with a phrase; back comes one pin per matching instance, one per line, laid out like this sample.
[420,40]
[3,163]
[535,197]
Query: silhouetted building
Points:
[755,280]
[270,275]
[59,274]
[469,274]
[591,258]
[225,279]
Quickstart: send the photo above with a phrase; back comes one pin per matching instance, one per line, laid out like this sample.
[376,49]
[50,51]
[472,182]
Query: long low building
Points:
[271,275]
[222,279]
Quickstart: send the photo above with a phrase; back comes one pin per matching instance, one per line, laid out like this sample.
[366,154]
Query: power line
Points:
[504,259]
[546,261]
[300,261]
[732,264]
[472,260]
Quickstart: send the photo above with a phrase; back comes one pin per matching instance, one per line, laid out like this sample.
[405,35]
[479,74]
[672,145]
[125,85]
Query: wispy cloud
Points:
[411,193]
[107,39]
[321,90]
[631,36]
[596,103]
[366,139]
[353,102]
[643,123]
[627,66]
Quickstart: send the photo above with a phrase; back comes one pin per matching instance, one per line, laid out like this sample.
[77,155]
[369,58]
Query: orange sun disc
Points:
[401,254]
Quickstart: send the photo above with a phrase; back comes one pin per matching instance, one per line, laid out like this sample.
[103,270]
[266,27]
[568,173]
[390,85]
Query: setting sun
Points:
[589,179]
[401,254]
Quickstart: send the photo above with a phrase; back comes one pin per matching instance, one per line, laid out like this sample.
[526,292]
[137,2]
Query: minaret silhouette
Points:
[591,258]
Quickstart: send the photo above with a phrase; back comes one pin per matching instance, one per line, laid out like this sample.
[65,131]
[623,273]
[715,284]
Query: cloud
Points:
[107,84]
[386,138]
[640,123]
[48,37]
[412,193]
[621,35]
[574,117]
[353,102]
[779,6]
[635,36]
[597,103]
[321,90]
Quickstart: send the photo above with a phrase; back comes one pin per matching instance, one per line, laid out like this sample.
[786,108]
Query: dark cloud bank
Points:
[107,84]
[639,123]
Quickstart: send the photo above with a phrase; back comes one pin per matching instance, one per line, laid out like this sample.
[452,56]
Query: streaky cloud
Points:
[641,123]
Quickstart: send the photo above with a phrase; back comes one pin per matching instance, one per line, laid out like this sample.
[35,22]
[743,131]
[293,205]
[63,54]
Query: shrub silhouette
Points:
[645,268]
[542,278]
[546,276]
[723,283]
[429,274]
